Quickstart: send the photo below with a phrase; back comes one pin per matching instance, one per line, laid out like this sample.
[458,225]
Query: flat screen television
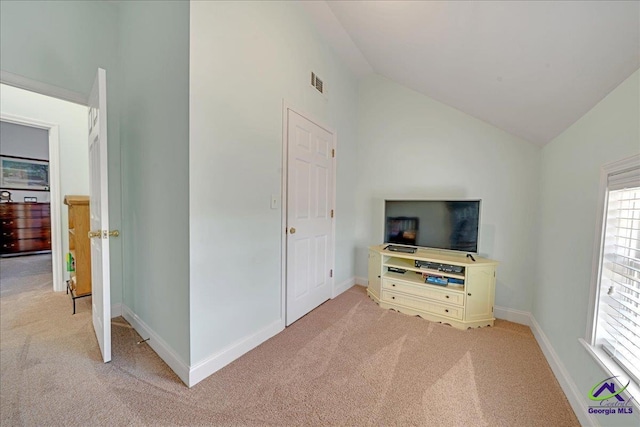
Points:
[439,224]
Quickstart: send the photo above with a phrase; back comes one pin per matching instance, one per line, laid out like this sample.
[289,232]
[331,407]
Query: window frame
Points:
[610,366]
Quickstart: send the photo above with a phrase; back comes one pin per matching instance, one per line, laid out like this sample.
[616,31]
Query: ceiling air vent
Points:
[317,83]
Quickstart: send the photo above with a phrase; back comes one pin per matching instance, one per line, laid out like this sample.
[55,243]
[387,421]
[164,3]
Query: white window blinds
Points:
[618,324]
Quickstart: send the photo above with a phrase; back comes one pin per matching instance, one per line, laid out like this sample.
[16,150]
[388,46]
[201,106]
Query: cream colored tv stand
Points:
[463,306]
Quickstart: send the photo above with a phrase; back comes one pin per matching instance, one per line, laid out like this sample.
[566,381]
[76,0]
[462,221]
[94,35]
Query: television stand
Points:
[437,286]
[404,249]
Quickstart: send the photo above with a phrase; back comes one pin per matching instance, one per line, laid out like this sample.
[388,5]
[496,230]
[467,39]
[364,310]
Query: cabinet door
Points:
[480,289]
[375,269]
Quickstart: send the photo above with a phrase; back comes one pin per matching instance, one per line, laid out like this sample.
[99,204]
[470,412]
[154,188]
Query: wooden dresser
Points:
[79,247]
[25,228]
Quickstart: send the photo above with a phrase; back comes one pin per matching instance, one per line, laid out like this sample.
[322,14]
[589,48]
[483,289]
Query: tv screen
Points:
[440,224]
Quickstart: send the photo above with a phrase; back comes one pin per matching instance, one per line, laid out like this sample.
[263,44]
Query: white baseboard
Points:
[362,281]
[217,361]
[158,345]
[512,315]
[343,287]
[116,310]
[196,373]
[576,399]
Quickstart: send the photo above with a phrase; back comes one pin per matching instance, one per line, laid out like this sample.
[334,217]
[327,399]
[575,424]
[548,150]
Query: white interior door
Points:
[310,175]
[99,214]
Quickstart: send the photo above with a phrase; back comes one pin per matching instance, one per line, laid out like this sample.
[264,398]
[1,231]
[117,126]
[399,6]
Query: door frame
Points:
[54,191]
[46,89]
[284,196]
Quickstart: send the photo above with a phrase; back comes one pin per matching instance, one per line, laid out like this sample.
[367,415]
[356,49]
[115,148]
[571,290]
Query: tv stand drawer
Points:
[426,291]
[423,305]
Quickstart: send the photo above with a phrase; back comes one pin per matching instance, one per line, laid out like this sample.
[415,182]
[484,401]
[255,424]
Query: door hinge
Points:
[331,213]
[333,152]
[331,273]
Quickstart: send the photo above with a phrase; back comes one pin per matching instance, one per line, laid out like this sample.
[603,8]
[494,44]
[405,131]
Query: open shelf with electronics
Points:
[435,285]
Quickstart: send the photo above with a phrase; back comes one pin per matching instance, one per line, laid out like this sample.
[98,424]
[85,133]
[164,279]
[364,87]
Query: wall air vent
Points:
[317,83]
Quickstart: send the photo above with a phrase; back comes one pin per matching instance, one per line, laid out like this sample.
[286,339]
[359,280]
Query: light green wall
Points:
[412,146]
[245,58]
[62,44]
[570,173]
[154,123]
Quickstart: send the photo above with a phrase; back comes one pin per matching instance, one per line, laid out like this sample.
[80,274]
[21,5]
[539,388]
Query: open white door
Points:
[99,213]
[310,174]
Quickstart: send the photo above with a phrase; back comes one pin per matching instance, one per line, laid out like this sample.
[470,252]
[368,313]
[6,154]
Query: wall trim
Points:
[362,281]
[576,399]
[158,345]
[116,310]
[219,360]
[342,287]
[21,82]
[512,315]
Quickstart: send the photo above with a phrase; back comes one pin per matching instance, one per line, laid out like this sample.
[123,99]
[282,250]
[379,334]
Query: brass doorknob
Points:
[114,233]
[292,230]
[93,234]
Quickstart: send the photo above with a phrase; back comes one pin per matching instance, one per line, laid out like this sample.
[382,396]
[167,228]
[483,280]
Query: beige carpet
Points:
[348,362]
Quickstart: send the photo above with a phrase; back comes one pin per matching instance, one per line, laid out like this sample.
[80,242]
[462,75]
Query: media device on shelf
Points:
[405,249]
[435,224]
[429,265]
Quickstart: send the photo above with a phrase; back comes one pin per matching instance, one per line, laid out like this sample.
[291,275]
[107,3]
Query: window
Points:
[616,303]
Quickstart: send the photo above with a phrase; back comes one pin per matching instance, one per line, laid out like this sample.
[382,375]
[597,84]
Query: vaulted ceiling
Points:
[531,68]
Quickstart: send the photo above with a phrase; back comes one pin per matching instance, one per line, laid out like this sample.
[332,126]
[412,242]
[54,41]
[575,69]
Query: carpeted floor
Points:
[348,362]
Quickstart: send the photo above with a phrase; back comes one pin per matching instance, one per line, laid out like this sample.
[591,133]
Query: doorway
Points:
[65,124]
[30,181]
[309,214]
[93,141]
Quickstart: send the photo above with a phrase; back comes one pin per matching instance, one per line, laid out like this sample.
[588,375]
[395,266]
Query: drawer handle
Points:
[447,296]
[393,284]
[393,297]
[7,234]
[9,246]
[446,310]
[469,294]
[7,223]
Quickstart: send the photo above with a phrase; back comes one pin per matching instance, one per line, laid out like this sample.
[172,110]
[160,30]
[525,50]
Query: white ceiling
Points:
[531,68]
